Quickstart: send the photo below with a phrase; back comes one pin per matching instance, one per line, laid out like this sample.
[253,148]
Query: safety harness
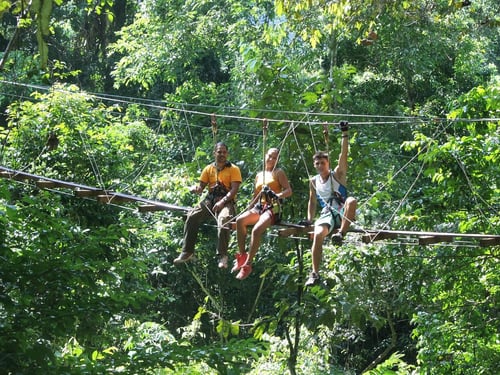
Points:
[269,201]
[219,191]
[338,196]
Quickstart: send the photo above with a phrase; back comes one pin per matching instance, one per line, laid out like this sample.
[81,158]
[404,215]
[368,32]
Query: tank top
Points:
[331,192]
[269,179]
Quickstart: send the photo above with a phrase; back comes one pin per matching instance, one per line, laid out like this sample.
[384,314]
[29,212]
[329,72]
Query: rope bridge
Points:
[284,229]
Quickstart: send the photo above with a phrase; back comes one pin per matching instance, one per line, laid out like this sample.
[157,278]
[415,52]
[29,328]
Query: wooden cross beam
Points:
[84,191]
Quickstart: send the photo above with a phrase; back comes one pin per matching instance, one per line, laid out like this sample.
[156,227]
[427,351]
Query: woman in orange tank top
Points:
[271,185]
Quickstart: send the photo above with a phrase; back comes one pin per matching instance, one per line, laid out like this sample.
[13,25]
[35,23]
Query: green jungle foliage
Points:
[130,97]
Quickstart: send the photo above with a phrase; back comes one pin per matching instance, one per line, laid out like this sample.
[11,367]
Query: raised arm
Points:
[341,168]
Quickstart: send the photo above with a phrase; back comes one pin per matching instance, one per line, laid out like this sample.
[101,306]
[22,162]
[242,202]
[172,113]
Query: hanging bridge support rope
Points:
[264,138]
[325,135]
[213,122]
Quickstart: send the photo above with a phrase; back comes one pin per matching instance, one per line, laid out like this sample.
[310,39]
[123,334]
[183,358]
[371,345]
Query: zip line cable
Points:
[165,105]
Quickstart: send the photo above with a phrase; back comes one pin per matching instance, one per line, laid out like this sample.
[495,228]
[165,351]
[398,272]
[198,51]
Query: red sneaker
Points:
[245,271]
[239,260]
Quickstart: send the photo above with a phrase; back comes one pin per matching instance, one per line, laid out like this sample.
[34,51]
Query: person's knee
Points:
[240,223]
[321,228]
[320,232]
[351,201]
[258,230]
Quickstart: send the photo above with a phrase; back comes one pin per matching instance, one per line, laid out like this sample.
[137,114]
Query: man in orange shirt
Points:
[223,180]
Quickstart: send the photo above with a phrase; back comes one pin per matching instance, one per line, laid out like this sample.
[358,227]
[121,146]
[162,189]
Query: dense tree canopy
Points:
[130,97]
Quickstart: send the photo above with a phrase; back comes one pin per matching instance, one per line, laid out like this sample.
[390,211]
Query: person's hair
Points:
[320,155]
[222,144]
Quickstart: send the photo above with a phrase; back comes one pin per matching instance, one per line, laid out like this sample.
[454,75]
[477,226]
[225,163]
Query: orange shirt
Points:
[228,174]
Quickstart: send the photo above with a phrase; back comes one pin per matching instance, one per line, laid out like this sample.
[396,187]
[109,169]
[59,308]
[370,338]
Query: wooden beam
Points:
[293,230]
[489,241]
[83,193]
[45,184]
[428,240]
[13,176]
[114,198]
[150,208]
[378,236]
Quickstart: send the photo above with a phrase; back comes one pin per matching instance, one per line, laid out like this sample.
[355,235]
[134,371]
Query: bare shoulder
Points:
[279,172]
[312,182]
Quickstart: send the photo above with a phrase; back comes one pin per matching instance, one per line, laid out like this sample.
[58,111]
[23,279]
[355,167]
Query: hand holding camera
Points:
[269,193]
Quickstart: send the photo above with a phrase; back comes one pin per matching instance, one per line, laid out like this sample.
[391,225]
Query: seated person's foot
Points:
[222,261]
[239,261]
[245,271]
[313,279]
[337,238]
[183,258]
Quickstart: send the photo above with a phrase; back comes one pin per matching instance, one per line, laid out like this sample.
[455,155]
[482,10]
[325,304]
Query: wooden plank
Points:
[114,198]
[423,233]
[428,240]
[489,241]
[45,184]
[150,208]
[83,193]
[292,230]
[287,232]
[378,236]
[13,176]
[90,191]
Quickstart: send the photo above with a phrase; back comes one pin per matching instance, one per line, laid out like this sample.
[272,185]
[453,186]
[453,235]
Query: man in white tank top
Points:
[328,189]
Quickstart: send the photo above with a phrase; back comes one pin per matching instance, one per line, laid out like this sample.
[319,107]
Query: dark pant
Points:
[202,213]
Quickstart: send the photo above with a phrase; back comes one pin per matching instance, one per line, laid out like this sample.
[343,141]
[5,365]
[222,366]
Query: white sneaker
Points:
[183,258]
[223,261]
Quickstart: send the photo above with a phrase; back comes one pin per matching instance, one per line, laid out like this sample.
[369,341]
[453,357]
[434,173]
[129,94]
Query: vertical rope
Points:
[264,136]
[325,135]
[213,122]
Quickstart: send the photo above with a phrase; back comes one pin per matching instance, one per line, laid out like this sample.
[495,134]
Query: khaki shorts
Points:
[331,220]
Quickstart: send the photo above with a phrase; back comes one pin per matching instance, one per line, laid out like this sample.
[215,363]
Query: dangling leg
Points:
[224,216]
[265,221]
[194,219]
[349,214]
[246,219]
[320,232]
